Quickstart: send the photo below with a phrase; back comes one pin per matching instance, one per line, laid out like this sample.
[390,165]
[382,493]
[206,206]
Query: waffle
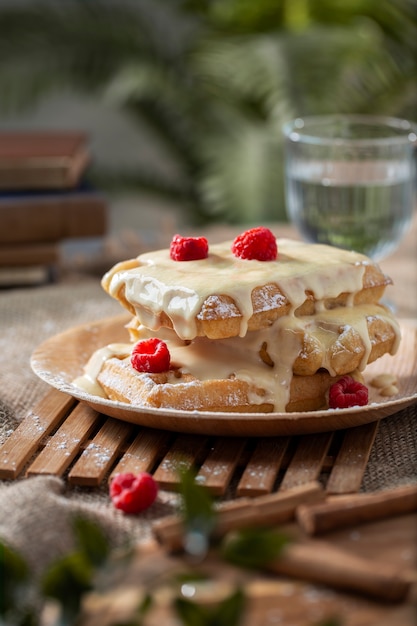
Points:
[222,296]
[287,367]
[339,340]
[179,391]
[243,335]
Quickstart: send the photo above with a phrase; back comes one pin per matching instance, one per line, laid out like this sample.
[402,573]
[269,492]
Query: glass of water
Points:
[350,180]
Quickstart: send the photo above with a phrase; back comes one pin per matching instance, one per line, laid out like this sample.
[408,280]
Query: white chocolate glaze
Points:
[179,289]
[154,285]
[240,357]
[88,380]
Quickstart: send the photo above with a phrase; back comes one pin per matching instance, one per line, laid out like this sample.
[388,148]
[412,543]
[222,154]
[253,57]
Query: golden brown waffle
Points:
[245,335]
[339,340]
[175,390]
[230,297]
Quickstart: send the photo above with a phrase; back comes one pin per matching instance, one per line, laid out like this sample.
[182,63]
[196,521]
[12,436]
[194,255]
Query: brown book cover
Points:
[42,160]
[43,254]
[43,218]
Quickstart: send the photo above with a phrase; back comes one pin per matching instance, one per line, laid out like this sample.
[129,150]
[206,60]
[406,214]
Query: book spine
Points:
[52,219]
[26,256]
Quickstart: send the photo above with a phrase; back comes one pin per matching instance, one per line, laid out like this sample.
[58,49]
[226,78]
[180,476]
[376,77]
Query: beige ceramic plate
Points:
[61,358]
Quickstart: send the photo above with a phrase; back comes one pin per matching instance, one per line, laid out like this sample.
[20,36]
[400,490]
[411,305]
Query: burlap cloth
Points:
[35,512]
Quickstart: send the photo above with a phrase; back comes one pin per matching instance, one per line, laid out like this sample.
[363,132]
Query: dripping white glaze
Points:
[178,289]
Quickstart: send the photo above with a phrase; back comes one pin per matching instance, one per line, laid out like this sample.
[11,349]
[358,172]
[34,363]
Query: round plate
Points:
[61,358]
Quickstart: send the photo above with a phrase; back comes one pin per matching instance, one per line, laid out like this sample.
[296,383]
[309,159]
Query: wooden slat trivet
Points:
[144,451]
[97,458]
[217,470]
[185,452]
[263,466]
[64,445]
[25,440]
[65,438]
[307,461]
[354,453]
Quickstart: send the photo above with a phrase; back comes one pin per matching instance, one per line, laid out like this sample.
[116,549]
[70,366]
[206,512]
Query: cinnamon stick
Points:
[316,562]
[242,513]
[349,510]
[320,562]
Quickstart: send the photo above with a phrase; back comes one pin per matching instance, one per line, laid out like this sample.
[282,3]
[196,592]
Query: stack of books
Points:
[44,199]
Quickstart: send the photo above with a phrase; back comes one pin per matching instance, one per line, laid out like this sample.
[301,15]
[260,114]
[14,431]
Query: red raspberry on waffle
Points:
[256,243]
[347,392]
[188,248]
[151,356]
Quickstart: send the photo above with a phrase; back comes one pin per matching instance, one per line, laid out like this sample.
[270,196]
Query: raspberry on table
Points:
[133,493]
[347,392]
[257,243]
[188,248]
[150,355]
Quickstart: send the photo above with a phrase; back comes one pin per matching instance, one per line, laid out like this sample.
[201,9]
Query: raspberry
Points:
[256,243]
[150,355]
[188,248]
[133,494]
[347,392]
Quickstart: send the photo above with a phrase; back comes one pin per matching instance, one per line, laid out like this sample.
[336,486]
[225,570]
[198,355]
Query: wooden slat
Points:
[262,467]
[39,422]
[261,461]
[218,468]
[184,453]
[64,445]
[148,447]
[98,457]
[307,461]
[352,459]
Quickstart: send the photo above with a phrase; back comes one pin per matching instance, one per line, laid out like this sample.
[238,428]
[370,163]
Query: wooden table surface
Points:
[271,599]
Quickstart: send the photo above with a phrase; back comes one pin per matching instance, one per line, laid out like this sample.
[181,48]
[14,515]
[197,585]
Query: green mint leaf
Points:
[227,613]
[143,609]
[91,540]
[190,613]
[253,548]
[67,580]
[230,611]
[197,509]
[14,575]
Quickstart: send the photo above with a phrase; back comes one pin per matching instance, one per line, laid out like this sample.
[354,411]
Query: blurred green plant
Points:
[90,567]
[65,581]
[196,511]
[70,577]
[214,80]
[16,603]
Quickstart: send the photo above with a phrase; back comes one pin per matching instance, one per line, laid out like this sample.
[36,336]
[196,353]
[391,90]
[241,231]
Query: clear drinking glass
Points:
[350,180]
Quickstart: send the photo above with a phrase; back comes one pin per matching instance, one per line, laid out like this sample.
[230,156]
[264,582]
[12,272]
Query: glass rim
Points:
[296,130]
